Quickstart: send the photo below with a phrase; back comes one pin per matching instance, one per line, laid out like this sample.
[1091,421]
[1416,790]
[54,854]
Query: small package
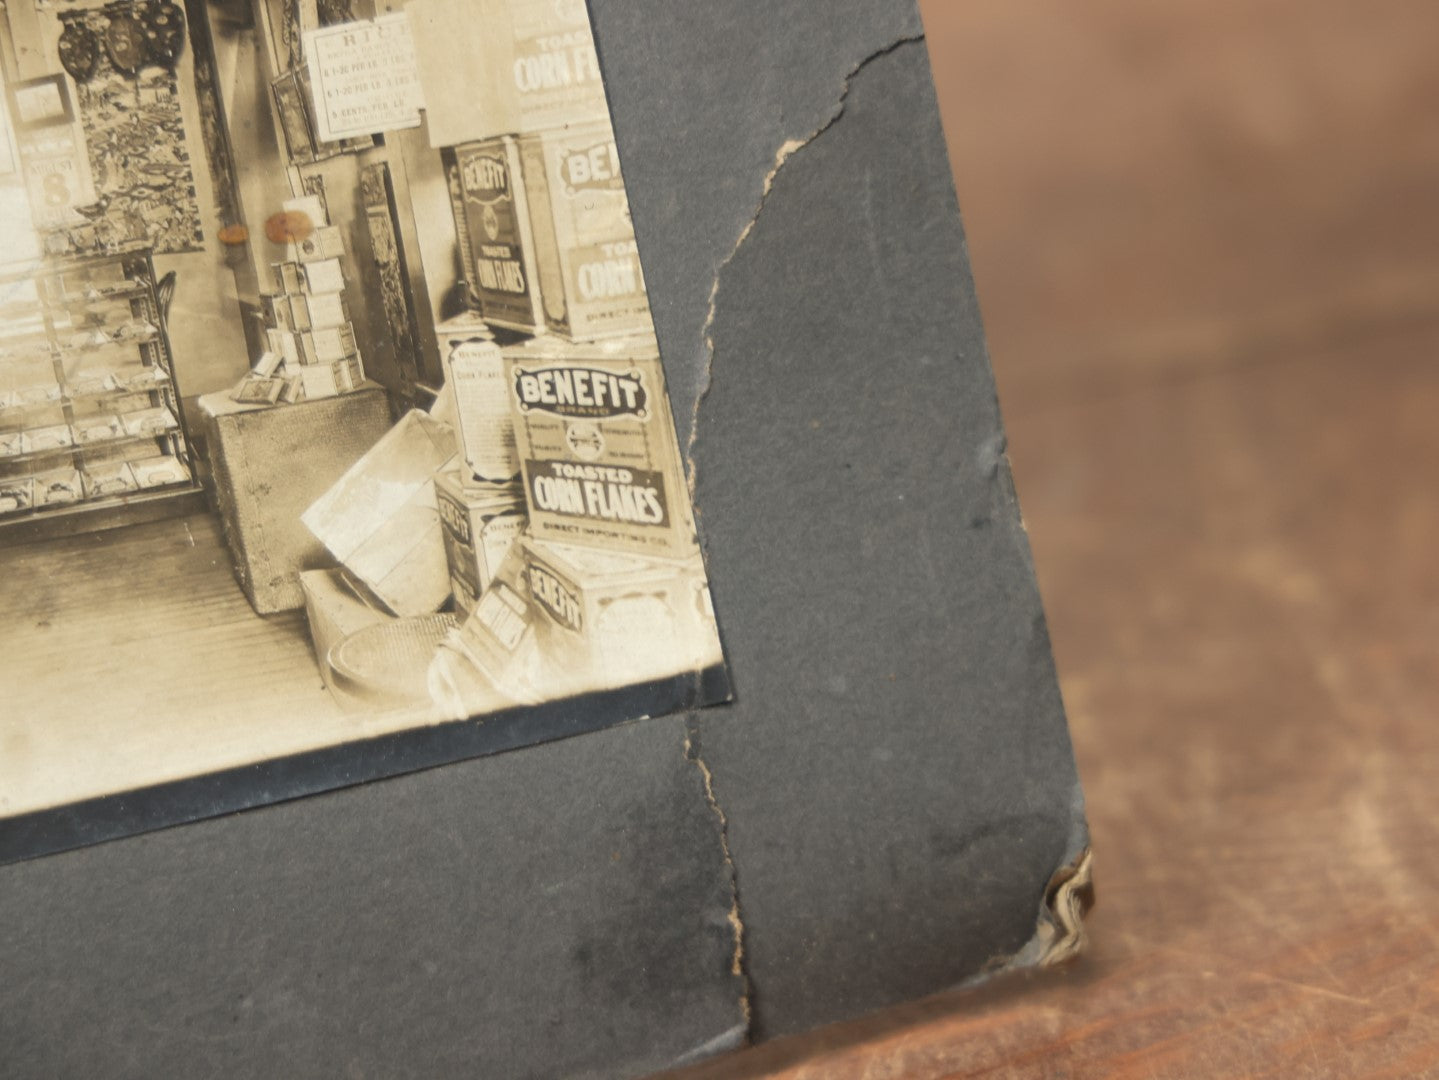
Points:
[328,380]
[93,429]
[328,345]
[110,478]
[13,444]
[611,620]
[258,391]
[287,277]
[480,524]
[277,311]
[308,208]
[38,395]
[284,344]
[268,365]
[495,647]
[159,471]
[380,519]
[326,242]
[321,277]
[56,437]
[16,494]
[92,383]
[155,421]
[319,311]
[59,488]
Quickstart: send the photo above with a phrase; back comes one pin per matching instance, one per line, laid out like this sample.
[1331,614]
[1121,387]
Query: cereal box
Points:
[608,620]
[597,447]
[496,229]
[590,279]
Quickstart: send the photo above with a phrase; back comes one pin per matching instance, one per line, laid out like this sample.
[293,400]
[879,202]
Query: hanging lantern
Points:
[125,43]
[163,24]
[79,50]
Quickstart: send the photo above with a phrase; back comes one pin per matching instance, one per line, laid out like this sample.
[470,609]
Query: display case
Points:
[90,416]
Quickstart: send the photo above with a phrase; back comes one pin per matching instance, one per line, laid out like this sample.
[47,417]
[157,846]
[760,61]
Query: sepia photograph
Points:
[334,434]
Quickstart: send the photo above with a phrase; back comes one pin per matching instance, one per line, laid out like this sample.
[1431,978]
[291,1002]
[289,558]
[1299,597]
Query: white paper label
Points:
[363,77]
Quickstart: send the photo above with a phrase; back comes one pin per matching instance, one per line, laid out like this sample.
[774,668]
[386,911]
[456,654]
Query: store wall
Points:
[206,330]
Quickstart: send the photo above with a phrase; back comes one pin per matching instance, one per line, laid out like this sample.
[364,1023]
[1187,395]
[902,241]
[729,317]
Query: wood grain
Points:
[1206,240]
[184,679]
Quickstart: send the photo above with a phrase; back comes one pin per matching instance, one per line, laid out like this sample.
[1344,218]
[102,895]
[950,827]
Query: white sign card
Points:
[363,77]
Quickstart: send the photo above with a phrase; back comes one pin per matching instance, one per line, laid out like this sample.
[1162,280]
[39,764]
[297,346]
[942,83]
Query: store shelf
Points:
[121,314]
[94,515]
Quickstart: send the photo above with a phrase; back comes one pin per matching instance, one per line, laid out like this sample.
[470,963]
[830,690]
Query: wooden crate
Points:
[269,466]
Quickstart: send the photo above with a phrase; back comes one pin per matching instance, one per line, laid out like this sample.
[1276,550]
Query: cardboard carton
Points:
[610,620]
[335,608]
[380,519]
[535,67]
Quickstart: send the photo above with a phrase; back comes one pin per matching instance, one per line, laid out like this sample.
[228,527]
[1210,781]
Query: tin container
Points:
[590,280]
[495,222]
[596,441]
[480,524]
[475,376]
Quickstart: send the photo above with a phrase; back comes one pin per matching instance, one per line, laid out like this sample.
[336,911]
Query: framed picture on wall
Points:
[41,103]
[294,119]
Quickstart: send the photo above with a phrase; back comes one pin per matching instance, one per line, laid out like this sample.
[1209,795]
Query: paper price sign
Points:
[363,77]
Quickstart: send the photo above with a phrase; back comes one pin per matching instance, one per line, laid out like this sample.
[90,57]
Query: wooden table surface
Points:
[1206,237]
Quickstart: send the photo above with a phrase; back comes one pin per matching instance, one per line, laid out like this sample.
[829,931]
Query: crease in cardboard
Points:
[782,155]
[737,960]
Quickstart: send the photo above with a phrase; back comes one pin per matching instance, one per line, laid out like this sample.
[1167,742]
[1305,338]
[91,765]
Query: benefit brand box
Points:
[535,67]
[590,279]
[479,525]
[604,618]
[493,222]
[598,455]
[546,226]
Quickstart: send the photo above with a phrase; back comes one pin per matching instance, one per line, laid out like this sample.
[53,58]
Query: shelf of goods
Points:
[91,427]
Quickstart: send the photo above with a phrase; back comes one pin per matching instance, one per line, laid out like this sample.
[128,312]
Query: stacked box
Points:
[310,347]
[598,454]
[608,620]
[479,523]
[590,280]
[493,222]
[546,222]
